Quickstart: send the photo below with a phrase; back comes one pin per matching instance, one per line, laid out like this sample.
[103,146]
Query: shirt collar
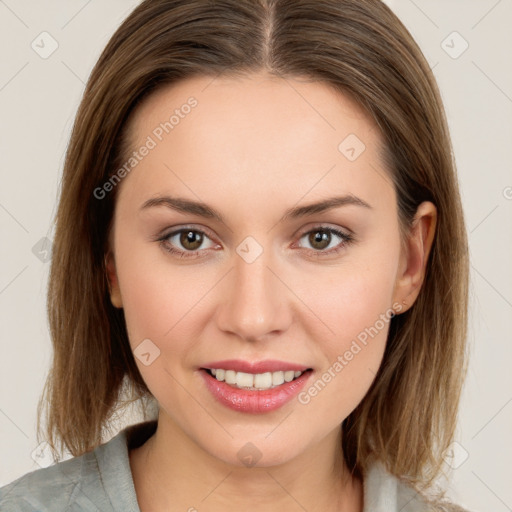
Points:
[114,465]
[379,486]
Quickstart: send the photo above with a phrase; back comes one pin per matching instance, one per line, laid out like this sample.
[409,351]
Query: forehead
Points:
[256,134]
[258,101]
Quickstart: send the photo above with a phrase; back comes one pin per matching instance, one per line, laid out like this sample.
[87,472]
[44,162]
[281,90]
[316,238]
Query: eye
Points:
[321,237]
[189,239]
[188,242]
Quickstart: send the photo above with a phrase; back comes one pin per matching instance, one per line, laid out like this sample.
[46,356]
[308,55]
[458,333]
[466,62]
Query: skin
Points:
[252,148]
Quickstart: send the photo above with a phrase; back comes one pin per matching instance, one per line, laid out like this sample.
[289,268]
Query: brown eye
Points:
[191,240]
[186,242]
[322,240]
[319,239]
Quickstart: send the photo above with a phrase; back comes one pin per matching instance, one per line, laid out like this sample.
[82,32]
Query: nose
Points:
[254,303]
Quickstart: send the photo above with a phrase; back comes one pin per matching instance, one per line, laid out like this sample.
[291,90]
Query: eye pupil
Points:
[191,237]
[323,237]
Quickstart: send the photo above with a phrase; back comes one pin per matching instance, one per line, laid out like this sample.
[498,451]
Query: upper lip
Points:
[268,365]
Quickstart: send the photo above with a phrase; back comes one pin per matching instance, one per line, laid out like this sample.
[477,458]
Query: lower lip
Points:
[246,400]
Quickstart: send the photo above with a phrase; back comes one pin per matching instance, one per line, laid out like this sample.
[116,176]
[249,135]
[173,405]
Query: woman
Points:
[259,232]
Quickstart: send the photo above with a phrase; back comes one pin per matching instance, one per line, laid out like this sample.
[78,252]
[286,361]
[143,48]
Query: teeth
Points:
[244,380]
[263,380]
[260,381]
[230,377]
[277,378]
[288,376]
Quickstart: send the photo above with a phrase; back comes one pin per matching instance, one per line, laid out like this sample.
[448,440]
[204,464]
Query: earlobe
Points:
[113,283]
[415,256]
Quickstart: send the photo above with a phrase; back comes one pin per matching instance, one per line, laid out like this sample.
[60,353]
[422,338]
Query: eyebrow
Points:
[183,205]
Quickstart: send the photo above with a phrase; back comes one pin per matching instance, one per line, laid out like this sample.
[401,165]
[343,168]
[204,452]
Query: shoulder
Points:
[91,482]
[55,485]
[387,493]
[97,481]
[409,500]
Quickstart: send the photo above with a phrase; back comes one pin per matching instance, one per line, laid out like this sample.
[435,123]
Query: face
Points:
[263,279]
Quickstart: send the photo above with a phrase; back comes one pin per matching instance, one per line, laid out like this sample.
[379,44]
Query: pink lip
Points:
[270,365]
[250,401]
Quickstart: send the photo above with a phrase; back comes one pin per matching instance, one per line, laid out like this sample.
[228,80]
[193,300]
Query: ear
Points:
[414,257]
[113,283]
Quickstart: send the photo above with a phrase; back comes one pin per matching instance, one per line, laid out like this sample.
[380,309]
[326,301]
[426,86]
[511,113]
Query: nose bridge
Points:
[256,304]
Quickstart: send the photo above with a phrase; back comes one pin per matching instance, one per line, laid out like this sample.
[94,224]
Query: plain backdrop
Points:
[468,45]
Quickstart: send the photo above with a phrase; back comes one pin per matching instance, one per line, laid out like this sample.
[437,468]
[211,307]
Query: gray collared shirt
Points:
[101,481]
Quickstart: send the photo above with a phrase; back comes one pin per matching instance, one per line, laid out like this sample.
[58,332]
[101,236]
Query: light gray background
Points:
[38,101]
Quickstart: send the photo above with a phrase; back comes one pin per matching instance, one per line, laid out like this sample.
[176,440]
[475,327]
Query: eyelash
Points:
[347,239]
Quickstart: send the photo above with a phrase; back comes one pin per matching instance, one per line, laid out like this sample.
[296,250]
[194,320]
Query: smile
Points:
[258,381]
[254,393]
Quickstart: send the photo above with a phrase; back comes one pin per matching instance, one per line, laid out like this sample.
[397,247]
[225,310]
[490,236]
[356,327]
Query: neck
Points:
[172,472]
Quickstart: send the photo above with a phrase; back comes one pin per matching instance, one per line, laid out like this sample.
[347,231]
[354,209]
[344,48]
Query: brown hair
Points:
[360,48]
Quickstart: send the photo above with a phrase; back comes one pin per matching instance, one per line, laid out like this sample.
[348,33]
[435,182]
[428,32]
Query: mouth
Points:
[255,381]
[255,393]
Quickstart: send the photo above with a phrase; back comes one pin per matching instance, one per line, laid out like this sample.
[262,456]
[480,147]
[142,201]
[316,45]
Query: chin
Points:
[251,451]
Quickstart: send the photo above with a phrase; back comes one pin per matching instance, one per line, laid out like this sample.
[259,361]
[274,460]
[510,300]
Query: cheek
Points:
[354,301]
[157,296]
[160,303]
[357,309]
